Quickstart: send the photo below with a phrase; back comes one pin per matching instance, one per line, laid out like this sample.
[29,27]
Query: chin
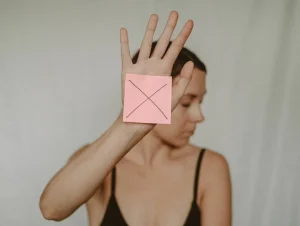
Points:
[179,142]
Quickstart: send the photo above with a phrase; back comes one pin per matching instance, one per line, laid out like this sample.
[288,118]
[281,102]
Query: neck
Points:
[150,151]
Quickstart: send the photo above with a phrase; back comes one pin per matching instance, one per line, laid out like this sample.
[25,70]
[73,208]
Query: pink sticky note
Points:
[147,99]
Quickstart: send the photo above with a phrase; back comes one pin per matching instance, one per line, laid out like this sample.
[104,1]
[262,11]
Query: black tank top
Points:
[113,215]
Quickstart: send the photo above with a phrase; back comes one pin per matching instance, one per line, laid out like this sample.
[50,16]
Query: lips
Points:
[189,133]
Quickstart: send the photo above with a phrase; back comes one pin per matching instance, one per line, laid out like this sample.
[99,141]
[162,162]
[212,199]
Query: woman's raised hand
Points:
[160,62]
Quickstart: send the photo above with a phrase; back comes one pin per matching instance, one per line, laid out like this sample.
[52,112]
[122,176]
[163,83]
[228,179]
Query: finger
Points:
[148,38]
[125,52]
[165,37]
[179,43]
[180,87]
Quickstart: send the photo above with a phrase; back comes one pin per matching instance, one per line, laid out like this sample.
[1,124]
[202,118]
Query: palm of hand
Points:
[160,62]
[151,66]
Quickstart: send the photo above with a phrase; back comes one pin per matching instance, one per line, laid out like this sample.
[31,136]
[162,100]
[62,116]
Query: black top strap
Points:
[197,173]
[113,181]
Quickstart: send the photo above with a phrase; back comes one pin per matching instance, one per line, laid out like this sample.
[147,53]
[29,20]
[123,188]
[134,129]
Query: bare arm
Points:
[216,204]
[80,178]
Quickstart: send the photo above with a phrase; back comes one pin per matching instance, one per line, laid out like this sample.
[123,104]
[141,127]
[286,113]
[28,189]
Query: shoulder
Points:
[216,161]
[214,189]
[211,158]
[215,170]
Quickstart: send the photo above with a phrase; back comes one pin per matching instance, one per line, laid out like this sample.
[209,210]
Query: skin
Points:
[187,114]
[155,163]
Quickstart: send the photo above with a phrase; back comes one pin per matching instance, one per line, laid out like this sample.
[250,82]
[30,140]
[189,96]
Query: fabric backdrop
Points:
[60,88]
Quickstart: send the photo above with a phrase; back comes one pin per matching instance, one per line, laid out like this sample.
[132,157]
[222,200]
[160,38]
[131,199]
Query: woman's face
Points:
[187,113]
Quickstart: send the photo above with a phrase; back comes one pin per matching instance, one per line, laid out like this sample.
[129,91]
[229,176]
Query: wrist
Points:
[132,128]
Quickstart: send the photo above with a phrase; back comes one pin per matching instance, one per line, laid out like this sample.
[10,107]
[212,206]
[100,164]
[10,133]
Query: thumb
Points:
[180,87]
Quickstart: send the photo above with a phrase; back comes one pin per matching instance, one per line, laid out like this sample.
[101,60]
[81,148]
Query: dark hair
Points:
[184,56]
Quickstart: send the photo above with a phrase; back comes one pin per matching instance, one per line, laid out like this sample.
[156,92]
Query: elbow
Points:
[50,213]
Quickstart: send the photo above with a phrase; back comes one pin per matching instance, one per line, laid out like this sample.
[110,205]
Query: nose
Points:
[197,115]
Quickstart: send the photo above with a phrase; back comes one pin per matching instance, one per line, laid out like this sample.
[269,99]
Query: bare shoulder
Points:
[215,189]
[216,161]
[212,158]
[215,169]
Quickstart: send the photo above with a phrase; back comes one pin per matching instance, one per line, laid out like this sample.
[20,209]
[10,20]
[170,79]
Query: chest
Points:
[155,198]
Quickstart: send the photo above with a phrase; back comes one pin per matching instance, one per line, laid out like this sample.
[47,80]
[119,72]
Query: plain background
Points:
[60,89]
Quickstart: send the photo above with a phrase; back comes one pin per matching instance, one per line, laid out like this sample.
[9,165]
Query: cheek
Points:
[179,116]
[172,131]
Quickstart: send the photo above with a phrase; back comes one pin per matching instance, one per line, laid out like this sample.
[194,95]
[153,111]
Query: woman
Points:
[145,174]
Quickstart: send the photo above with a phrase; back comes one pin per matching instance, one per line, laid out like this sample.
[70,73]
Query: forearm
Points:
[75,184]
